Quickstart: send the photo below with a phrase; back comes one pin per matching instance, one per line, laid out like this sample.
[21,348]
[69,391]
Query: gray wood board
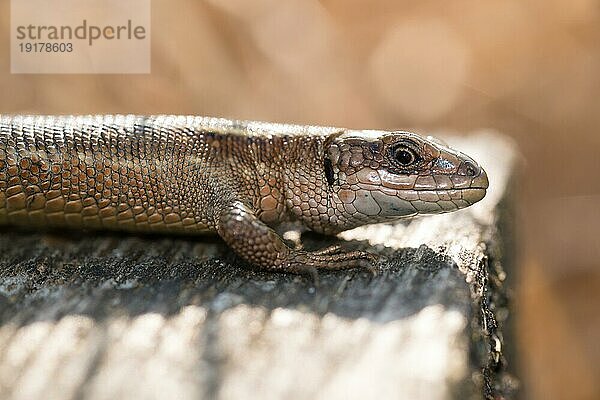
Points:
[110,316]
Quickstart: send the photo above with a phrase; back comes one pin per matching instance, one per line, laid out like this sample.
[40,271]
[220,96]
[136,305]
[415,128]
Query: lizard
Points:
[242,180]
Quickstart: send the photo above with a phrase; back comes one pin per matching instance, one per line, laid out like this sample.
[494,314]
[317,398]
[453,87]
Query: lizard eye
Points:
[404,155]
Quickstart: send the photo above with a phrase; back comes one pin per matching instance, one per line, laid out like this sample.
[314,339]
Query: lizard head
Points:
[380,176]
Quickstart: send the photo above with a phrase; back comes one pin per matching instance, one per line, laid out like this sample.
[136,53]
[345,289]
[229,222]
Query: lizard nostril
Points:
[471,169]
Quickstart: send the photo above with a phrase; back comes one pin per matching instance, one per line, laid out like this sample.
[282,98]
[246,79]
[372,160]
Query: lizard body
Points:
[238,179]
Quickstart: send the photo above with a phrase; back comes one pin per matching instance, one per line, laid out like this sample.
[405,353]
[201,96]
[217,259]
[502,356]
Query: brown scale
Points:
[196,175]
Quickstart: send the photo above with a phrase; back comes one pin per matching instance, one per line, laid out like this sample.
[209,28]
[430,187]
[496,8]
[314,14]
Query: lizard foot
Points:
[331,258]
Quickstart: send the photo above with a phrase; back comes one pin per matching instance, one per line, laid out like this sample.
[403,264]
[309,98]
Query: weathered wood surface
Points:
[105,316]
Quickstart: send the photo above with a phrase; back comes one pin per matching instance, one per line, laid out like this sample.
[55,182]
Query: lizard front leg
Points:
[254,241]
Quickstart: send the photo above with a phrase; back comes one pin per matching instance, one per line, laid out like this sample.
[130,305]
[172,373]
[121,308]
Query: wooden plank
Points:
[105,316]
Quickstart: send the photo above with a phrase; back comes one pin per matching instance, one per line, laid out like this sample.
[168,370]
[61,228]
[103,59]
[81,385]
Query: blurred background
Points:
[530,69]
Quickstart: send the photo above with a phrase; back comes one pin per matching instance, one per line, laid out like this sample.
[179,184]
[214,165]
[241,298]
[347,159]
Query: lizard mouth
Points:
[447,200]
[406,203]
[473,194]
[480,181]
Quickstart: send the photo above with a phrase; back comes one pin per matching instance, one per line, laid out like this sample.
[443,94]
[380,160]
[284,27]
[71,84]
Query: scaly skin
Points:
[239,179]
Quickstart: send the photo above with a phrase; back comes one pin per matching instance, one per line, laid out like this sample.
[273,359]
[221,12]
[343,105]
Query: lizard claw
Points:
[370,263]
